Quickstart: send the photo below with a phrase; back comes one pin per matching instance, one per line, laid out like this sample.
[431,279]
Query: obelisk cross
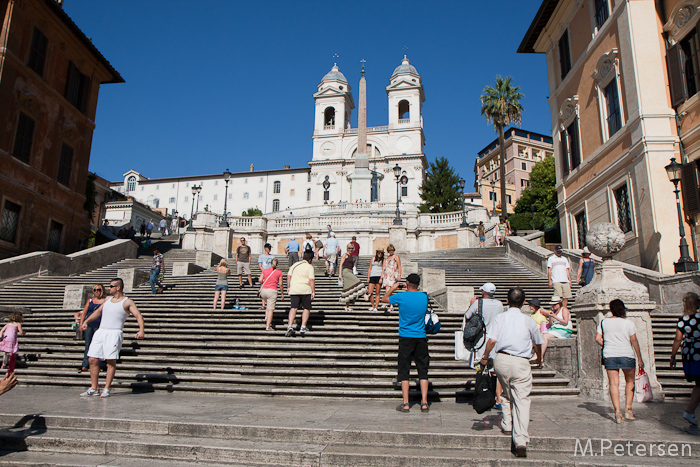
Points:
[363,66]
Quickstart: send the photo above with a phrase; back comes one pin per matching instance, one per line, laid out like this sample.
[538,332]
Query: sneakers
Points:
[303,330]
[91,392]
[691,418]
[105,393]
[290,332]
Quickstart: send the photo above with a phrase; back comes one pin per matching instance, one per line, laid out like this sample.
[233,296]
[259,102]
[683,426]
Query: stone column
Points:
[397,236]
[432,280]
[133,277]
[222,241]
[75,296]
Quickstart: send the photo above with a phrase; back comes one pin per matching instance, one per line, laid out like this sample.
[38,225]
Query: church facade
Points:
[334,155]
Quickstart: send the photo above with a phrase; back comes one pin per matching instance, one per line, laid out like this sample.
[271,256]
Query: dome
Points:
[405,68]
[334,74]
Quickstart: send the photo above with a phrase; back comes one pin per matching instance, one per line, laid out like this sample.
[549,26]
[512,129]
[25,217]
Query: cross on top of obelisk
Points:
[334,57]
[363,66]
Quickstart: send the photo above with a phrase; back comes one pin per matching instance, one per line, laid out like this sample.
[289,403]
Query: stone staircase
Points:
[190,347]
[672,381]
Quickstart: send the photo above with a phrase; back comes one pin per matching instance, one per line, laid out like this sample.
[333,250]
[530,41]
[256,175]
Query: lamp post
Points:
[199,189]
[194,193]
[326,185]
[464,214]
[493,195]
[224,220]
[685,263]
[532,210]
[397,174]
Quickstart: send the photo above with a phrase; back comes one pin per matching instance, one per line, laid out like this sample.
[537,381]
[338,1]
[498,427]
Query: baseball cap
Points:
[558,248]
[413,278]
[332,234]
[534,302]
[488,288]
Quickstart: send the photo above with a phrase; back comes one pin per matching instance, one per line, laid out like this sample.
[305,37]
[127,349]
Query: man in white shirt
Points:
[559,275]
[511,339]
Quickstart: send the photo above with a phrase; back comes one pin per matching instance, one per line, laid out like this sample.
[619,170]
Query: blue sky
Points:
[217,84]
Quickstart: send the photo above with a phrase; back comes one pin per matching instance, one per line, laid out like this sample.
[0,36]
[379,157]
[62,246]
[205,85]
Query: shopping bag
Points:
[484,391]
[642,387]
[461,352]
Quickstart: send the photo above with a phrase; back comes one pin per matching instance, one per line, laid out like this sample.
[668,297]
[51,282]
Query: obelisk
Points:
[361,178]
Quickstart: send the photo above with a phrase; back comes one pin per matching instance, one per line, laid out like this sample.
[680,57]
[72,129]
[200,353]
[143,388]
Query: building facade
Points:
[613,120]
[50,77]
[333,160]
[523,150]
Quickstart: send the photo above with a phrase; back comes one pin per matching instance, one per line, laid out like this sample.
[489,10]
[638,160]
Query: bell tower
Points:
[406,97]
[333,104]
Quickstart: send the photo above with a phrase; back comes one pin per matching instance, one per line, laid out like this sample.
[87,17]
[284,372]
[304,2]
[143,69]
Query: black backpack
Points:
[484,391]
[475,330]
[308,248]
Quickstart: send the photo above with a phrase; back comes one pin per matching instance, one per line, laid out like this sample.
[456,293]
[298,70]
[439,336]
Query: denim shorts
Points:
[620,363]
[218,287]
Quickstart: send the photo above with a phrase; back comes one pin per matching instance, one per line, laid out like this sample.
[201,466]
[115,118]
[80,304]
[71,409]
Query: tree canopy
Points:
[252,212]
[541,193]
[440,191]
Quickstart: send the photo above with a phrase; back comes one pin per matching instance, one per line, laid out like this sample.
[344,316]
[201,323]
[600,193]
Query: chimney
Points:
[251,167]
[286,167]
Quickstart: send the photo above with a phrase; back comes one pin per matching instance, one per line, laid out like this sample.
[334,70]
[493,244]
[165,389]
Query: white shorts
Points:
[106,344]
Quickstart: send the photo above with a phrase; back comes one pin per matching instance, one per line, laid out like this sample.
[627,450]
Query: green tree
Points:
[440,190]
[501,105]
[252,212]
[542,194]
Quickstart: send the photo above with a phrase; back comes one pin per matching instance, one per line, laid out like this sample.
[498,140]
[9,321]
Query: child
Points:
[9,340]
[540,319]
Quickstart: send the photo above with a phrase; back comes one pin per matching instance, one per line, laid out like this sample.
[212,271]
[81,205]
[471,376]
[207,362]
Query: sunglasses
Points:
[111,286]
[97,290]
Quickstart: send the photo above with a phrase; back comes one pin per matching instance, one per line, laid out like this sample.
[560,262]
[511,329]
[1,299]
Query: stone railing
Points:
[372,129]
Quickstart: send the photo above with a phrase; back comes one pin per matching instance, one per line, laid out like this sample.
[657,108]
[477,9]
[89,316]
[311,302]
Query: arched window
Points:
[275,205]
[374,192]
[404,112]
[329,118]
[308,194]
[277,187]
[131,184]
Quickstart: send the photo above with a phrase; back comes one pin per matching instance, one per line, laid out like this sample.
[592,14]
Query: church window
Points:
[216,197]
[404,191]
[131,184]
[157,187]
[142,187]
[374,193]
[216,182]
[404,112]
[245,195]
[260,194]
[275,205]
[308,177]
[277,187]
[261,179]
[329,118]
[245,180]
[326,195]
[171,200]
[187,198]
[172,186]
[308,194]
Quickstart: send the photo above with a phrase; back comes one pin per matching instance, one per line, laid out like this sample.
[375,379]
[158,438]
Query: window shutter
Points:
[676,76]
[689,184]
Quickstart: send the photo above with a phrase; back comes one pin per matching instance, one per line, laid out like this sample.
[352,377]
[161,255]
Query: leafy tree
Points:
[440,190]
[252,212]
[541,193]
[501,105]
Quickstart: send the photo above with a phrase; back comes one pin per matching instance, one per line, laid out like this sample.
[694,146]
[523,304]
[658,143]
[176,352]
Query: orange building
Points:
[50,77]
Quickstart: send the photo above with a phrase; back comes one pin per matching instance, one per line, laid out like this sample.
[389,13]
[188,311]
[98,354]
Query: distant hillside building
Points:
[50,77]
[523,150]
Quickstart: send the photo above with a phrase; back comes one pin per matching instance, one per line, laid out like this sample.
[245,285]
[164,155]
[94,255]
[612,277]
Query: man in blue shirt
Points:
[292,248]
[413,343]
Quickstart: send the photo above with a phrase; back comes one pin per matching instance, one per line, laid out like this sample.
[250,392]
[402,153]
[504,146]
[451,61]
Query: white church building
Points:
[300,191]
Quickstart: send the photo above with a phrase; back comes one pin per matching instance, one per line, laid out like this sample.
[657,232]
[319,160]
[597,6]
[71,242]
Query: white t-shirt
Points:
[514,333]
[616,337]
[559,265]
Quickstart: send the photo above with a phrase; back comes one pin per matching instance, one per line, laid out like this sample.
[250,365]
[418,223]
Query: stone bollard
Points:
[206,259]
[75,296]
[184,268]
[432,280]
[409,267]
[454,299]
[133,277]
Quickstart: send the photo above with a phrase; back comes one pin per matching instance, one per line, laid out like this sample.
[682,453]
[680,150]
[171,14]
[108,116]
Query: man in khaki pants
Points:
[511,338]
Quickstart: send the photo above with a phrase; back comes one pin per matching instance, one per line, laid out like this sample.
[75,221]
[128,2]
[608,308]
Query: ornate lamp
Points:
[685,262]
[397,174]
[224,220]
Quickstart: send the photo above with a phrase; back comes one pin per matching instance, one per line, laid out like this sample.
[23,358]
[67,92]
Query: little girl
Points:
[9,340]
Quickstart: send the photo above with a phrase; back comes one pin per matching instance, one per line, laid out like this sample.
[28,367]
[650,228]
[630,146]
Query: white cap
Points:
[332,234]
[488,288]
[555,299]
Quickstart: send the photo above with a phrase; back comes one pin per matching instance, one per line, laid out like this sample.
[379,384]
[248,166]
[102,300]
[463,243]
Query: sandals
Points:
[629,415]
[618,417]
[424,407]
[82,368]
[403,408]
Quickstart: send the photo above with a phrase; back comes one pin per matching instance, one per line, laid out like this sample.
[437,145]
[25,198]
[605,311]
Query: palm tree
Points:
[501,105]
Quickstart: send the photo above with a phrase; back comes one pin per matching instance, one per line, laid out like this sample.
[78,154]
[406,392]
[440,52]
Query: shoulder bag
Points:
[432,322]
[261,285]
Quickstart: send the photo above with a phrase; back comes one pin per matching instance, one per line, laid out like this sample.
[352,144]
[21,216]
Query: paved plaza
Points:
[250,430]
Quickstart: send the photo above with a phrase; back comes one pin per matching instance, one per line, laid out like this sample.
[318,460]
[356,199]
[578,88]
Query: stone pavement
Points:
[372,428]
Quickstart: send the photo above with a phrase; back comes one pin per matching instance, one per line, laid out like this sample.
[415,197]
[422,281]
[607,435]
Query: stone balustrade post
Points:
[75,296]
[432,280]
[133,277]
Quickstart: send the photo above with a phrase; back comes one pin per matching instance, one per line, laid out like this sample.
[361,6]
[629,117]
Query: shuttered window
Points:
[624,212]
[581,228]
[24,138]
[564,54]
[689,186]
[37,53]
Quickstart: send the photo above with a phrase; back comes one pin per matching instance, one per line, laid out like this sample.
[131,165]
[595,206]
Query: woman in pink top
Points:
[271,279]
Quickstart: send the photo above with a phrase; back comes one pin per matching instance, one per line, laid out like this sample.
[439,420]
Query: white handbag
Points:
[461,352]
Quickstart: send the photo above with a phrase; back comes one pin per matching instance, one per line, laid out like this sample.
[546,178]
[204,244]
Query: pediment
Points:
[403,84]
[330,92]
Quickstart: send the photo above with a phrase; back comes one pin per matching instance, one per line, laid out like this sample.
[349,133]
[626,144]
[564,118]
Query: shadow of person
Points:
[488,423]
[13,439]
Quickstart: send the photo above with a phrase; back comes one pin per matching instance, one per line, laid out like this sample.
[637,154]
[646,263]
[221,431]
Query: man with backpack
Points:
[485,308]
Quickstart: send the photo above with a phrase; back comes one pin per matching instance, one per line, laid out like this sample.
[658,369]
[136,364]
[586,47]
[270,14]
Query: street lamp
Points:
[532,210]
[493,195]
[326,185]
[464,214]
[227,177]
[194,193]
[199,189]
[397,174]
[685,263]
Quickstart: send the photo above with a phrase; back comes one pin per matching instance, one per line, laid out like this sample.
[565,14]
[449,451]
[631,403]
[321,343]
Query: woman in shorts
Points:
[222,273]
[374,280]
[271,280]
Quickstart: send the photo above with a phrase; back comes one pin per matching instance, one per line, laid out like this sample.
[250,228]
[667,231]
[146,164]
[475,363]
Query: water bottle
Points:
[235,306]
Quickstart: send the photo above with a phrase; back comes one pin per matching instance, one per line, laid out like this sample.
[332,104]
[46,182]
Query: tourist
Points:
[149,228]
[107,341]
[265,261]
[271,279]
[391,274]
[507,232]
[353,288]
[318,246]
[688,339]
[308,245]
[8,382]
[243,263]
[536,311]
[142,230]
[490,308]
[586,267]
[9,343]
[301,288]
[221,287]
[173,225]
[292,249]
[511,339]
[560,325]
[497,235]
[481,232]
[355,252]
[328,227]
[559,275]
[331,250]
[163,227]
[99,296]
[618,337]
[413,343]
[157,271]
[374,280]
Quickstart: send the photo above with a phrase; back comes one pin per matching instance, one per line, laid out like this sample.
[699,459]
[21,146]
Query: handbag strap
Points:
[265,280]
